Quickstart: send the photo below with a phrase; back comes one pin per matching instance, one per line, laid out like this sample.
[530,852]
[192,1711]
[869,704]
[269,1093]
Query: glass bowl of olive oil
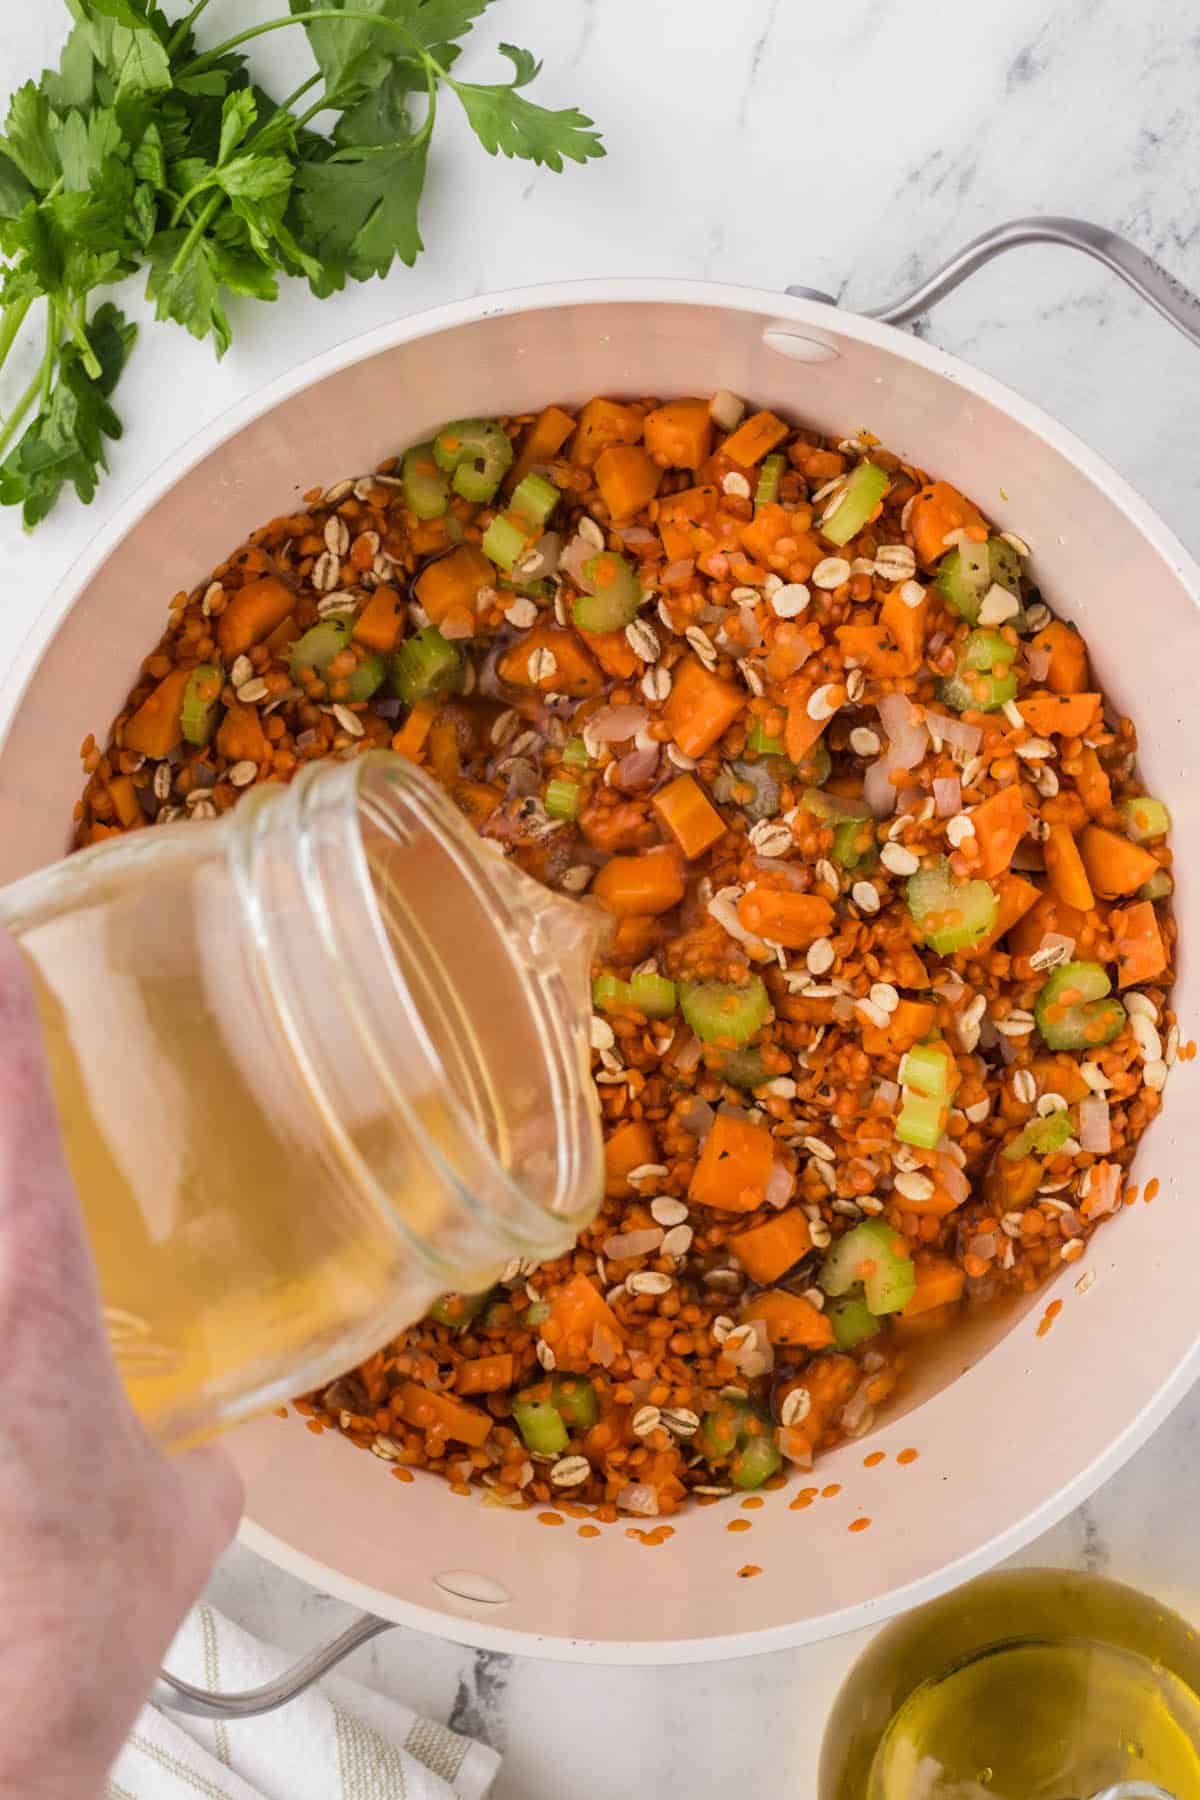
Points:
[1031,1684]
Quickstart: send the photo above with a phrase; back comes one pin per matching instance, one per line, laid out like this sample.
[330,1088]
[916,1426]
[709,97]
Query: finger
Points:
[212,1497]
[47,1278]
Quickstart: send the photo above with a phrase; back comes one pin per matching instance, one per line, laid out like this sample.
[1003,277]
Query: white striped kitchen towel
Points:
[337,1741]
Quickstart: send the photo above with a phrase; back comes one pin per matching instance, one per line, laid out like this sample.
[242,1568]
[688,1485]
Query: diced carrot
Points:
[1064,869]
[907,626]
[829,1382]
[772,522]
[1060,1075]
[1000,822]
[541,443]
[601,423]
[1070,715]
[637,936]
[793,920]
[577,1311]
[679,515]
[937,1205]
[689,815]
[679,434]
[770,1250]
[1068,670]
[1047,915]
[790,1319]
[801,732]
[487,1374]
[156,728]
[700,707]
[410,739]
[283,637]
[572,671]
[241,737]
[753,438]
[454,581]
[734,1167]
[476,800]
[630,1146]
[940,1282]
[98,832]
[1012,1182]
[628,477]
[251,614]
[123,795]
[1114,866]
[907,1025]
[652,882]
[613,652]
[380,623]
[1014,898]
[1141,953]
[873,648]
[1095,789]
[443,1415]
[936,512]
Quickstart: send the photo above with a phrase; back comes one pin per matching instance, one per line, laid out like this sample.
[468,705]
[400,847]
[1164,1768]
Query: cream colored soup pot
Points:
[1012,1429]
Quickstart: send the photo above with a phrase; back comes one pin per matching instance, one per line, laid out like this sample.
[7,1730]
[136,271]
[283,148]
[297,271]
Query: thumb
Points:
[211,1495]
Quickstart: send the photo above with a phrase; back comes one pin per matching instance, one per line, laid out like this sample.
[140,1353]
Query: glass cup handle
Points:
[1156,285]
[180,1696]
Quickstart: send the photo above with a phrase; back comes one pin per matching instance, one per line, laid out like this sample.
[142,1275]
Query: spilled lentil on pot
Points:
[884,1005]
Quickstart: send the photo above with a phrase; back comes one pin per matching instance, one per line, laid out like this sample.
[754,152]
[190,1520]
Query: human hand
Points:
[104,1542]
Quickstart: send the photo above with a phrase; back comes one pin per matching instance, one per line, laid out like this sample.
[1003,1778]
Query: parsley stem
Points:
[197,231]
[40,383]
[75,320]
[298,94]
[359,14]
[184,26]
[46,373]
[10,324]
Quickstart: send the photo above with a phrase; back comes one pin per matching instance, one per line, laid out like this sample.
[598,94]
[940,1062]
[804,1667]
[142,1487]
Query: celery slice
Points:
[426,487]
[715,1009]
[866,487]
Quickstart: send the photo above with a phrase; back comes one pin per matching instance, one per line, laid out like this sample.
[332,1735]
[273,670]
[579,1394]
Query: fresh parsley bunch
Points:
[140,151]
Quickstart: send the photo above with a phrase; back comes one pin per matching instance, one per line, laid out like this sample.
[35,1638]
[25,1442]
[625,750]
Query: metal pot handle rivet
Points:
[1156,285]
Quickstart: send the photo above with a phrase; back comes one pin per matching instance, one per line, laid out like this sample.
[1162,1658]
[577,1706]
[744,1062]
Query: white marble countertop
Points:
[765,142]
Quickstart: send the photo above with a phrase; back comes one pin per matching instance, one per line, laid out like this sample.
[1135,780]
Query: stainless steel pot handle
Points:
[181,1696]
[1143,274]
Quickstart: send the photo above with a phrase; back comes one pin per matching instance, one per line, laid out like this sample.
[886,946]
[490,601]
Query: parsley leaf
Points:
[191,293]
[28,138]
[502,119]
[66,440]
[138,152]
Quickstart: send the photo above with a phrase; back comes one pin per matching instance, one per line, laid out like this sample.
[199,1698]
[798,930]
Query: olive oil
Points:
[1027,1685]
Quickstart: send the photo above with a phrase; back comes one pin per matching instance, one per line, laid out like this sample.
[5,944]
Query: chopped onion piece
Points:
[780,1183]
[606,1346]
[960,739]
[613,724]
[947,796]
[577,552]
[879,790]
[688,1055]
[888,1092]
[676,573]
[951,1177]
[905,726]
[697,1117]
[1095,1134]
[636,536]
[726,410]
[636,769]
[1103,1195]
[639,1498]
[1038,659]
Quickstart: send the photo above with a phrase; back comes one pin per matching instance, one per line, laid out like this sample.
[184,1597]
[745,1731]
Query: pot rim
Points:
[786,311]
